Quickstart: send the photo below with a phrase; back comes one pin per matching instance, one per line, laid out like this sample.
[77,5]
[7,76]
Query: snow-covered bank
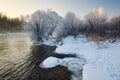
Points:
[50,62]
[74,64]
[103,59]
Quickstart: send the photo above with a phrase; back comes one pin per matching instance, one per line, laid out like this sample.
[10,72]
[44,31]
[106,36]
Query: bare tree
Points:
[72,24]
[96,22]
[115,26]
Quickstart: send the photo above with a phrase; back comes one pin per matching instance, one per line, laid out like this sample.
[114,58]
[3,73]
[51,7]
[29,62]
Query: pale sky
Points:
[14,8]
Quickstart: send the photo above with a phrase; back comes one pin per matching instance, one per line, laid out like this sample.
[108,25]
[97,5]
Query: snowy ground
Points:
[103,59]
[74,64]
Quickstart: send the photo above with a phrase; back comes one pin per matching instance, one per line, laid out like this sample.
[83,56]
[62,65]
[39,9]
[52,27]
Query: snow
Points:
[75,65]
[99,61]
[103,59]
[50,62]
[90,73]
[51,42]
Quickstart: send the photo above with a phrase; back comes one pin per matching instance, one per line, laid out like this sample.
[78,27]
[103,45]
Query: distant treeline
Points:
[8,24]
[47,24]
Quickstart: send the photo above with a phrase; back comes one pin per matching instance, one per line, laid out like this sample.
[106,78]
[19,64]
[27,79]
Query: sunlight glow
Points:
[14,8]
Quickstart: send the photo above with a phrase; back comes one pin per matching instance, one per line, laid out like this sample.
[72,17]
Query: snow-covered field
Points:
[103,58]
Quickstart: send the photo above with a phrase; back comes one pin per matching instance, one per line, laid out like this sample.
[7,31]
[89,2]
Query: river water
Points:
[20,59]
[14,50]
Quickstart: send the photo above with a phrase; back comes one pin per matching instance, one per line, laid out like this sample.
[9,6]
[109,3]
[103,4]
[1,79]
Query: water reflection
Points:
[19,60]
[13,53]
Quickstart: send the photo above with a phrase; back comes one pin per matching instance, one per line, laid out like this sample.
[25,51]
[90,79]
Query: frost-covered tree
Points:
[48,24]
[72,24]
[42,24]
[96,20]
[114,28]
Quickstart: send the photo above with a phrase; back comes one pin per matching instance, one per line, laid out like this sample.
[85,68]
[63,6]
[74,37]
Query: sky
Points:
[14,8]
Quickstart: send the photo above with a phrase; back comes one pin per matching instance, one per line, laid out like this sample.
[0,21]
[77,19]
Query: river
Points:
[20,59]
